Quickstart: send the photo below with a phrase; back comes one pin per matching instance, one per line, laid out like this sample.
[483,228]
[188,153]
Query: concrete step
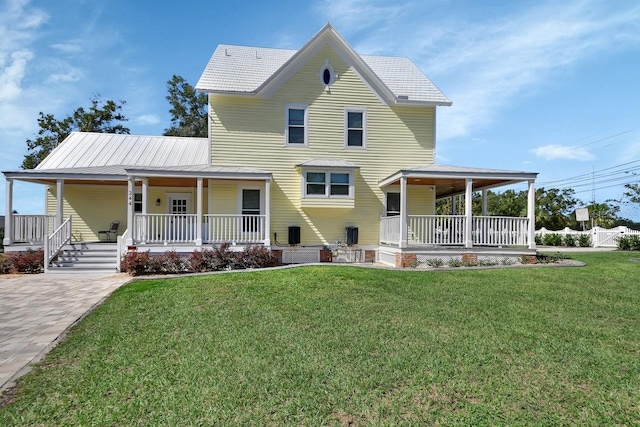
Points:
[85,257]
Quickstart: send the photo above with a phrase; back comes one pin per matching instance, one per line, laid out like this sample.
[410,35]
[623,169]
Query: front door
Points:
[251,222]
[180,225]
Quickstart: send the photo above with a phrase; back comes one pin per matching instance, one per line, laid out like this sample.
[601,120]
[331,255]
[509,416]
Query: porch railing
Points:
[31,228]
[234,228]
[436,229]
[500,231]
[450,230]
[390,229]
[169,228]
[57,240]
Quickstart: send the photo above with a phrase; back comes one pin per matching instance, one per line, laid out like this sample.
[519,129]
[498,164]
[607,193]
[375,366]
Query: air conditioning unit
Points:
[294,235]
[352,235]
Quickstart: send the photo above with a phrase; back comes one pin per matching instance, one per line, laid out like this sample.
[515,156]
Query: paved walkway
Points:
[36,309]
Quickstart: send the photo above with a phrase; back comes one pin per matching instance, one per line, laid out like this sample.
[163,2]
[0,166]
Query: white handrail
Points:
[122,248]
[57,240]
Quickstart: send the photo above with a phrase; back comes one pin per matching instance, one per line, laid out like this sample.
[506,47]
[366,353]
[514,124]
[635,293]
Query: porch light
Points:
[158,201]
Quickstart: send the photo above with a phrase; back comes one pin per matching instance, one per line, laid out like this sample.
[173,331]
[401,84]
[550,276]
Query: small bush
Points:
[455,262]
[29,261]
[256,256]
[569,240]
[539,239]
[135,263]
[223,258]
[169,262]
[629,243]
[435,262]
[552,239]
[584,241]
[5,265]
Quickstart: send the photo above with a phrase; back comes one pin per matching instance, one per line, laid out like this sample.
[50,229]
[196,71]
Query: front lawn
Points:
[340,345]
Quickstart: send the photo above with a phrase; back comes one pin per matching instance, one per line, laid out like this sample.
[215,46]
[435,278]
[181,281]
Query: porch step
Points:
[86,257]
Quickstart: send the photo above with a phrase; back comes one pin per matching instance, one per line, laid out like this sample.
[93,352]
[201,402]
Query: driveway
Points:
[36,309]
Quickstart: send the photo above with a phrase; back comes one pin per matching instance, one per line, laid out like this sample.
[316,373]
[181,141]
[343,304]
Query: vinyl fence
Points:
[600,237]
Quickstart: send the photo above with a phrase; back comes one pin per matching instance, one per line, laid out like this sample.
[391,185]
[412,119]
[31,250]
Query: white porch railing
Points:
[234,228]
[57,240]
[449,230]
[165,228]
[435,229]
[31,228]
[390,229]
[122,247]
[168,228]
[500,231]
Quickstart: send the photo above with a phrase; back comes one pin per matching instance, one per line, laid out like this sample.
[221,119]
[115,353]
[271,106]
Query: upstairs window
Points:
[296,124]
[355,127]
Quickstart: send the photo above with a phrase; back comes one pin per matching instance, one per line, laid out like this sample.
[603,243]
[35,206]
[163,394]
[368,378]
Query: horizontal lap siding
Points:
[250,132]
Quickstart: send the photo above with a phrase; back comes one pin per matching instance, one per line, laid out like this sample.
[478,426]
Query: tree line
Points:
[555,208]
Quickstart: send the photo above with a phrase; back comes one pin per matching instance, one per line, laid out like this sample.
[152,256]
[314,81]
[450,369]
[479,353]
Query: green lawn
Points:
[339,345]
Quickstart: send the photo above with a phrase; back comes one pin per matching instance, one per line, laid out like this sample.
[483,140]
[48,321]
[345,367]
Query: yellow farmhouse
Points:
[319,153]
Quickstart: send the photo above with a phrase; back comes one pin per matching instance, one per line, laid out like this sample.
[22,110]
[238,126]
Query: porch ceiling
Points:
[450,180]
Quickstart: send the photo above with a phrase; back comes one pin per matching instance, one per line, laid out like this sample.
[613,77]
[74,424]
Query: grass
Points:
[345,345]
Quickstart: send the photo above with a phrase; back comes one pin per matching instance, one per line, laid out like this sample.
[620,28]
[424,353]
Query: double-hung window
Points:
[296,124]
[328,184]
[355,124]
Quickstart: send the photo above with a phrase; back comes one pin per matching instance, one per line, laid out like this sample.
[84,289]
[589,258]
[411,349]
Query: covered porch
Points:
[461,230]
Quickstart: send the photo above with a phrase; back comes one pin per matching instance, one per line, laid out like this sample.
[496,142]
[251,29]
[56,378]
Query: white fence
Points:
[600,237]
[390,229]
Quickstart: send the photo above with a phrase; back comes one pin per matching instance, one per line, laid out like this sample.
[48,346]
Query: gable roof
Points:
[244,70]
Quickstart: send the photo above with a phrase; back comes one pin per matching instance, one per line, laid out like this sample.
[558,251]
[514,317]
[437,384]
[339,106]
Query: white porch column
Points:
[468,213]
[131,187]
[267,212]
[531,214]
[199,211]
[145,193]
[454,205]
[403,212]
[484,202]
[8,217]
[59,202]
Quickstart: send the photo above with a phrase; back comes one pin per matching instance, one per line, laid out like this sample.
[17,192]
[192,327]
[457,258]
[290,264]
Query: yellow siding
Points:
[224,198]
[250,132]
[94,207]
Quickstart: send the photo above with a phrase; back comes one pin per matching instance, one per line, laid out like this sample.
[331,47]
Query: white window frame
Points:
[135,202]
[292,106]
[363,111]
[327,183]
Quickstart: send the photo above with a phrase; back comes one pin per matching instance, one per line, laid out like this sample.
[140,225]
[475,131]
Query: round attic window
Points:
[327,75]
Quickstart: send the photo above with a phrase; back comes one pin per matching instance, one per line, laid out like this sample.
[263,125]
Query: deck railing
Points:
[432,230]
[168,228]
[436,229]
[31,228]
[500,231]
[234,228]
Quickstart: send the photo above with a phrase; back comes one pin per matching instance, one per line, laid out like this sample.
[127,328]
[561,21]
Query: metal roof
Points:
[90,150]
[245,69]
[328,163]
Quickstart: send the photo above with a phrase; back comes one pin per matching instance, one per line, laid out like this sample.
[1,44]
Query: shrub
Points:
[169,262]
[539,239]
[135,263]
[569,240]
[200,261]
[455,262]
[552,239]
[29,261]
[255,256]
[629,243]
[584,241]
[435,262]
[5,265]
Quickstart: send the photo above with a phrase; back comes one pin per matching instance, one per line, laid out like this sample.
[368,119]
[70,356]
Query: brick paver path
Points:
[36,309]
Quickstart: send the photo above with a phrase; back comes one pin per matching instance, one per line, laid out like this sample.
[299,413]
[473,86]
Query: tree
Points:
[103,117]
[632,192]
[554,207]
[188,109]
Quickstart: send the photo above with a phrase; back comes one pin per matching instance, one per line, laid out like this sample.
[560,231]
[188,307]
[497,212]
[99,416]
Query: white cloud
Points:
[71,46]
[562,152]
[147,119]
[11,76]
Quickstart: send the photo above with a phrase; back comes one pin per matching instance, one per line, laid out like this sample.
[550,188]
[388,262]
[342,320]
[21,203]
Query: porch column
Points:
[131,187]
[531,214]
[199,212]
[484,202]
[267,212]
[8,216]
[145,193]
[468,213]
[403,212]
[59,202]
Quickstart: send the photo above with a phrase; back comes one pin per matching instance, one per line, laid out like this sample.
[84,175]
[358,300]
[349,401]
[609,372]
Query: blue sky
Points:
[544,86]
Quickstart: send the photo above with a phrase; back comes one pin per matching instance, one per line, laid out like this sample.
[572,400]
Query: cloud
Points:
[562,152]
[72,46]
[11,76]
[147,119]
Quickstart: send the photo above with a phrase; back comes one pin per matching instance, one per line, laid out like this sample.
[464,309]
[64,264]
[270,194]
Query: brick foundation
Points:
[529,259]
[369,256]
[406,260]
[278,254]
[469,259]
